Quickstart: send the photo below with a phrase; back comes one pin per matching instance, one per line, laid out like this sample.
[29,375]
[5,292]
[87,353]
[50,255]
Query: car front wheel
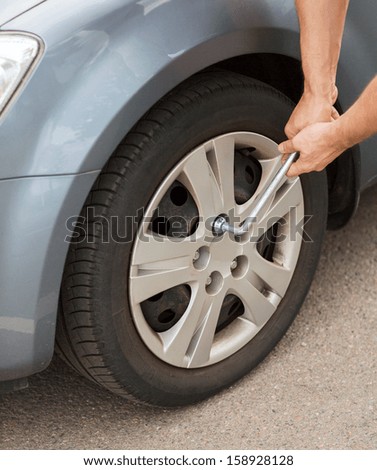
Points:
[154,304]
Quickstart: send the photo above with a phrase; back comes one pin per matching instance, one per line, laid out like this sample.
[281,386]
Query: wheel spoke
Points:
[152,248]
[149,282]
[258,308]
[223,165]
[288,197]
[198,177]
[274,275]
[201,344]
[177,340]
[269,169]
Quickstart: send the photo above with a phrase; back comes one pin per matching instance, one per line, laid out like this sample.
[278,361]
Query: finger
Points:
[298,169]
[286,147]
[334,114]
[335,94]
[293,171]
[290,131]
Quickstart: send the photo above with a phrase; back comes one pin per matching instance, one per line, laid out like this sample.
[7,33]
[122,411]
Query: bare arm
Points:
[321,29]
[319,144]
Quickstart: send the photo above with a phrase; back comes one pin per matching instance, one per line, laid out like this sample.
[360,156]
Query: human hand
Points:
[319,144]
[311,109]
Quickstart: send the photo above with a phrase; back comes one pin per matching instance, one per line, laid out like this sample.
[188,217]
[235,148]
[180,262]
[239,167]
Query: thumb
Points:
[286,147]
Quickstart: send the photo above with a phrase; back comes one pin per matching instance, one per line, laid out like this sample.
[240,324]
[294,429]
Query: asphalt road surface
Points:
[317,390]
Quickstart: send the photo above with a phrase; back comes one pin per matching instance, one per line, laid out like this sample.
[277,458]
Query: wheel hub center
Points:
[224,253]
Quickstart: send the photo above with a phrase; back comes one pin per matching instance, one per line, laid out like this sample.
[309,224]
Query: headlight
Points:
[18,54]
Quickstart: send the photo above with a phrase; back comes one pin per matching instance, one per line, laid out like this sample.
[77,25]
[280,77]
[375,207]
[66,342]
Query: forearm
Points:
[321,25]
[360,121]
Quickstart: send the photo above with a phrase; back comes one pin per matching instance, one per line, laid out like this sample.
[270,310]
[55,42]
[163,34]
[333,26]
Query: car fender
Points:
[106,65]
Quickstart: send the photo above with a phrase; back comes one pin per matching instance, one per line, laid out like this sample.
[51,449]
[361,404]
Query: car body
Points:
[103,64]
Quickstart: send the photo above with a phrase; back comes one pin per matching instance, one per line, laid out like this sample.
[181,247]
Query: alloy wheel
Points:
[197,298]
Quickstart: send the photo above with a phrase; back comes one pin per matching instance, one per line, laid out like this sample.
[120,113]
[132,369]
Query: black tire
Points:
[96,334]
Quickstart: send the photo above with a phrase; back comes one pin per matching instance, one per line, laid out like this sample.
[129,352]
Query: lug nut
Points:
[209,281]
[233,265]
[196,256]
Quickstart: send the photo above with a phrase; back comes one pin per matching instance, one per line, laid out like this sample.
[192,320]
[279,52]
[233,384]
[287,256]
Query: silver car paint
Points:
[106,63]
[11,9]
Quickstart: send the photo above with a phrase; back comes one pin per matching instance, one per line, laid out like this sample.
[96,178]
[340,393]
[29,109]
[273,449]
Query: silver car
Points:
[127,128]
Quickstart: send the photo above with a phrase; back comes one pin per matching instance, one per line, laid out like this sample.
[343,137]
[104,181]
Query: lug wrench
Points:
[220,225]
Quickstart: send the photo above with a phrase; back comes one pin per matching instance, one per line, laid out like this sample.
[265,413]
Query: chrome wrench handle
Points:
[220,225]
